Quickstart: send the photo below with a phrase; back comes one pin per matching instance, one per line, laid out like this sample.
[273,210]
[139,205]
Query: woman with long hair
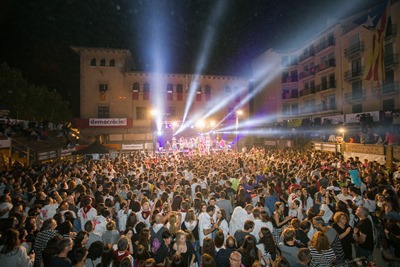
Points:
[222,222]
[266,245]
[144,240]
[322,255]
[192,224]
[12,253]
[279,220]
[184,248]
[248,251]
[174,223]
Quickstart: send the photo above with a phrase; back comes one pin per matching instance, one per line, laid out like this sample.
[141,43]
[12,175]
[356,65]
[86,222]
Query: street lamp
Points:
[238,114]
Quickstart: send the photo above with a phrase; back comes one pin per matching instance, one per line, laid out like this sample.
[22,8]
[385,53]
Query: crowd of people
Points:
[222,208]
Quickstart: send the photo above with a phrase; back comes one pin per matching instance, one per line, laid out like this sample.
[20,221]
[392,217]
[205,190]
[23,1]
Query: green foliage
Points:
[28,101]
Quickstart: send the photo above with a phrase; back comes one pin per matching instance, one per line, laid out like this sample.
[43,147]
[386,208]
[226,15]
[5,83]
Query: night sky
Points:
[37,35]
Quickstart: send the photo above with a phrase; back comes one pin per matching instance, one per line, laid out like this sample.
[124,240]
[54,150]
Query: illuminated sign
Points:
[108,122]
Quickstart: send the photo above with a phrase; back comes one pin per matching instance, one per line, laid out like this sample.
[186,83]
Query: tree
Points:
[27,101]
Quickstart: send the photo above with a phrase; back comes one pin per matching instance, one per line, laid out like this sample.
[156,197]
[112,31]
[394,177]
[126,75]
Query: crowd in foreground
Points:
[255,208]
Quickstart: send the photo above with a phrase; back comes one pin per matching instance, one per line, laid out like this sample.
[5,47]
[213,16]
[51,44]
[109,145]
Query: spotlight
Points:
[159,133]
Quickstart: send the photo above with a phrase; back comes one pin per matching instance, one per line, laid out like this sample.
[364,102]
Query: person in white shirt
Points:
[213,201]
[324,211]
[123,214]
[295,210]
[87,212]
[239,216]
[344,195]
[259,223]
[49,210]
[206,224]
[100,222]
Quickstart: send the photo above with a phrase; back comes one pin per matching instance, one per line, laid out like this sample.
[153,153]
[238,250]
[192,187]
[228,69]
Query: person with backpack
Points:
[164,251]
[156,232]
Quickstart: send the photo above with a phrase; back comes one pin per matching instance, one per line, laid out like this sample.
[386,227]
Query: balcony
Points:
[308,91]
[292,95]
[356,96]
[354,50]
[308,73]
[326,65]
[390,88]
[325,86]
[325,44]
[353,75]
[391,61]
[318,108]
[290,79]
[306,55]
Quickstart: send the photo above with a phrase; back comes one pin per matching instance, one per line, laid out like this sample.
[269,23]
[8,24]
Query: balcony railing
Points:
[356,95]
[325,44]
[305,55]
[390,88]
[353,75]
[317,108]
[354,50]
[326,86]
[308,73]
[307,91]
[292,95]
[290,79]
[326,65]
[391,61]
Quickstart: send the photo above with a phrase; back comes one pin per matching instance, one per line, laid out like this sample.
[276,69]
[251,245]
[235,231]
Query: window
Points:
[103,112]
[136,87]
[207,92]
[135,91]
[112,63]
[295,109]
[312,86]
[356,90]
[332,101]
[357,108]
[388,104]
[332,82]
[179,92]
[103,87]
[141,113]
[198,93]
[102,62]
[93,62]
[169,88]
[286,109]
[169,92]
[146,91]
[285,93]
[324,83]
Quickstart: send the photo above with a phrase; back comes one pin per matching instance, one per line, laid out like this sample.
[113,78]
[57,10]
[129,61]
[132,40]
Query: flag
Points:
[376,22]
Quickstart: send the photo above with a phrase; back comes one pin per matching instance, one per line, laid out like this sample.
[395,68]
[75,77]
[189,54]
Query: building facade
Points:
[325,79]
[115,101]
